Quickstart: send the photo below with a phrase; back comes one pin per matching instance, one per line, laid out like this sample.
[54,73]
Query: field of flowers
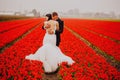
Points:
[15,29]
[97,33]
[89,65]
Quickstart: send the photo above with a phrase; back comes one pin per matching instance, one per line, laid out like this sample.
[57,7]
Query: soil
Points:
[50,76]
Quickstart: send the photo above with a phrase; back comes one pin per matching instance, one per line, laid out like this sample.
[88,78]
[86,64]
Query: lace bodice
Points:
[52,25]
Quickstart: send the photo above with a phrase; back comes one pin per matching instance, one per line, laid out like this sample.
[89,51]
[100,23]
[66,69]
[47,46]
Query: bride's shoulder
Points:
[56,22]
[53,21]
[45,22]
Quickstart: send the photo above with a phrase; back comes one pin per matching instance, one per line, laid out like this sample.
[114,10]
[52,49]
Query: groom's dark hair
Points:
[54,14]
[49,16]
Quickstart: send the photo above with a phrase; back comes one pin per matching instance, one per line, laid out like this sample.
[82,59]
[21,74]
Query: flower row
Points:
[88,64]
[11,35]
[13,62]
[110,47]
[107,28]
[8,25]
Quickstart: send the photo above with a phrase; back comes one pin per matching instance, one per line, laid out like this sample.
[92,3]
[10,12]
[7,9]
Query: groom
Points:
[61,27]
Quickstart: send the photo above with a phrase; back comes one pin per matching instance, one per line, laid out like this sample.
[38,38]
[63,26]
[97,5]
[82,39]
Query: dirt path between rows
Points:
[50,77]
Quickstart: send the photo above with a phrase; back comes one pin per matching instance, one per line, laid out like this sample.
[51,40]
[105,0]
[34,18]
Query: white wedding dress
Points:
[49,54]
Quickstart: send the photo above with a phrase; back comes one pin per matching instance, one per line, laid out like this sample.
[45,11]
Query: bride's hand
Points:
[47,26]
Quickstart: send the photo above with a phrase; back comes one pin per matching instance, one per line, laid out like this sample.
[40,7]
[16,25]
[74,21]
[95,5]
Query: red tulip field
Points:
[94,45]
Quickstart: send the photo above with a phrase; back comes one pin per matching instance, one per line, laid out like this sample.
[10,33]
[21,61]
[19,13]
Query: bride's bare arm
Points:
[46,25]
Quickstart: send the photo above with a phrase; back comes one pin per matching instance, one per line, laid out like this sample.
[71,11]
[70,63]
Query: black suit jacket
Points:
[58,32]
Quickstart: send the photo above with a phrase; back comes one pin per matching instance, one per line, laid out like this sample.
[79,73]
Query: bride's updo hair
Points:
[49,16]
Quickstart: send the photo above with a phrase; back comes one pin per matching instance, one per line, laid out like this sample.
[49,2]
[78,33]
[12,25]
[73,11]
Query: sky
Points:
[45,6]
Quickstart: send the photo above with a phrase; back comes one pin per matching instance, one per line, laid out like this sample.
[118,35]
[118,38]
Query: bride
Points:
[49,54]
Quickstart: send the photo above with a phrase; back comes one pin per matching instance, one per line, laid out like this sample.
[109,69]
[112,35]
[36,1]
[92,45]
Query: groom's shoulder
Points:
[60,20]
